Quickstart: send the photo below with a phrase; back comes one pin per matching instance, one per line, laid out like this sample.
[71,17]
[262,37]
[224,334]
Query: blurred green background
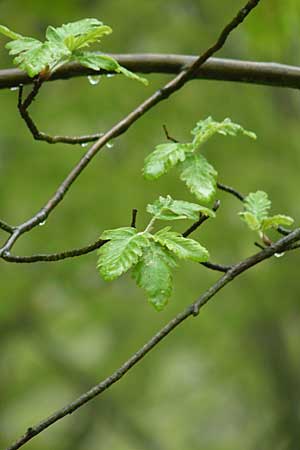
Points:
[229,380]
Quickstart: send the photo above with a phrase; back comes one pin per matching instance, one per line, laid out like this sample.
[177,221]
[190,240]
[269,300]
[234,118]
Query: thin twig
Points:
[220,69]
[201,220]
[6,227]
[216,267]
[257,244]
[122,126]
[54,256]
[192,310]
[133,219]
[170,138]
[231,190]
[39,135]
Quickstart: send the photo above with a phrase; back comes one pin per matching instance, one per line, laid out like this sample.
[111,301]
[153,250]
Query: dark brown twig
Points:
[192,310]
[170,138]
[54,256]
[39,135]
[203,218]
[133,219]
[216,267]
[231,190]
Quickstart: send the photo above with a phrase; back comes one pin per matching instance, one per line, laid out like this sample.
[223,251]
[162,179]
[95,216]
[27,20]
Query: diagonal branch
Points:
[122,126]
[192,310]
[260,73]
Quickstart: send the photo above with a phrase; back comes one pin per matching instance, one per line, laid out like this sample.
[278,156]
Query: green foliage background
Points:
[226,381]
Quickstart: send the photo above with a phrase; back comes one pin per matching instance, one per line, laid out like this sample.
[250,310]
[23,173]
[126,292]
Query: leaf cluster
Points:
[257,206]
[197,173]
[152,256]
[63,44]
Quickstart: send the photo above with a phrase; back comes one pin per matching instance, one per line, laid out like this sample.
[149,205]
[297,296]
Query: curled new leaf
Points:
[276,221]
[208,127]
[256,214]
[165,208]
[122,251]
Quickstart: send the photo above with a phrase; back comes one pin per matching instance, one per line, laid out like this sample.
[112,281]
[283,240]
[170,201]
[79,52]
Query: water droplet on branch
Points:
[84,144]
[94,79]
[279,255]
[42,223]
[109,145]
[14,88]
[110,75]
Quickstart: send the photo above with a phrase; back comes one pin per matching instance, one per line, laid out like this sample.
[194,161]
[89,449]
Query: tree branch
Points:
[53,256]
[192,310]
[260,73]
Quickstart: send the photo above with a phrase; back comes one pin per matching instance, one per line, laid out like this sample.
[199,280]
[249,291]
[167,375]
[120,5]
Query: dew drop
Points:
[14,88]
[94,79]
[109,145]
[42,223]
[111,75]
[84,144]
[279,255]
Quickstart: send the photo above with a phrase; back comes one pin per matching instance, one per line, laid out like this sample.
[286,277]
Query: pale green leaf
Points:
[200,177]
[132,75]
[95,61]
[251,220]
[23,44]
[276,221]
[122,251]
[165,208]
[164,157]
[258,204]
[77,28]
[208,127]
[34,55]
[99,61]
[153,273]
[36,59]
[184,248]
[9,33]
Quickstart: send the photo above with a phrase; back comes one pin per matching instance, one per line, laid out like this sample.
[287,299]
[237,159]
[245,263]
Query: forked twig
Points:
[40,135]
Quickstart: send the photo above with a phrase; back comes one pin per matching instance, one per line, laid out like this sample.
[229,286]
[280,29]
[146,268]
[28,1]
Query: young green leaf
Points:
[122,251]
[64,44]
[182,247]
[163,158]
[208,127]
[256,214]
[165,208]
[251,220]
[276,221]
[79,34]
[153,273]
[200,177]
[258,204]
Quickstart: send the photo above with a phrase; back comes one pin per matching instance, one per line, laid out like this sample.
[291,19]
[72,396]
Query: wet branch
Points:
[259,73]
